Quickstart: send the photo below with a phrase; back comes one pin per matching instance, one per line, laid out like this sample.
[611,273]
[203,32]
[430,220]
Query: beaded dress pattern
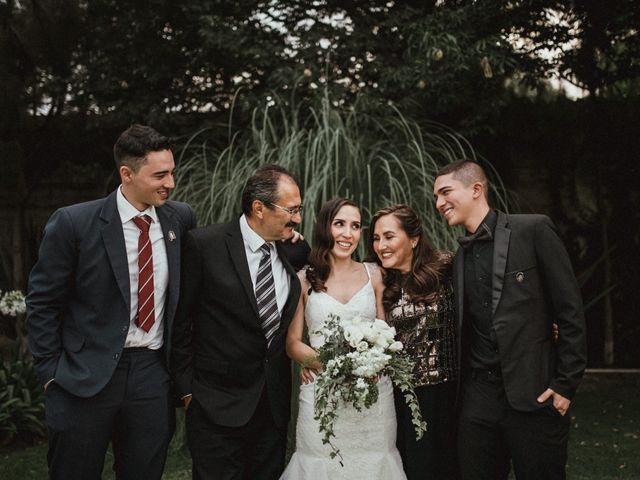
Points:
[428,333]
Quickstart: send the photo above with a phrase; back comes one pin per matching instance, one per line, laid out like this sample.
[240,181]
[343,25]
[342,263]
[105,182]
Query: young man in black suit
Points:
[238,295]
[513,280]
[99,310]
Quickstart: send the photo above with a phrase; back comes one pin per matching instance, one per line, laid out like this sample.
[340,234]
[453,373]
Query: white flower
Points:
[353,334]
[370,332]
[355,352]
[12,303]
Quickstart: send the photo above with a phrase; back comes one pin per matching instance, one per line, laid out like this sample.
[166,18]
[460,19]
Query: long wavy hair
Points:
[319,258]
[429,268]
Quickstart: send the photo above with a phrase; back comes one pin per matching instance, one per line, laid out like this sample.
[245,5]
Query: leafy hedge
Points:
[21,400]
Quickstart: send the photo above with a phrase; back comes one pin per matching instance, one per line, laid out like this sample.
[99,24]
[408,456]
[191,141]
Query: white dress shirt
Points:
[252,244]
[137,337]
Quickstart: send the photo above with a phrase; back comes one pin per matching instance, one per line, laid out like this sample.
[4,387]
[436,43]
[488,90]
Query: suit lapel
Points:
[500,253]
[235,245]
[113,238]
[172,245]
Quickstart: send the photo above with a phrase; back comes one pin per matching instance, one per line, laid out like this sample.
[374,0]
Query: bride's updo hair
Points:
[319,258]
[429,268]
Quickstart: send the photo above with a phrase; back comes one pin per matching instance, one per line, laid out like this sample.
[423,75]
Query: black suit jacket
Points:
[533,287]
[78,305]
[219,352]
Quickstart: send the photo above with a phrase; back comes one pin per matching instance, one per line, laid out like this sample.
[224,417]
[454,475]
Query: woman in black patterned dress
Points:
[418,302]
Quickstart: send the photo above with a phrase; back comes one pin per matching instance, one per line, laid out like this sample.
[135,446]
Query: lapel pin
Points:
[172,236]
[520,277]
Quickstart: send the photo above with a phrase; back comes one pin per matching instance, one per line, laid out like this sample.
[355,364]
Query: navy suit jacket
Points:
[533,287]
[78,303]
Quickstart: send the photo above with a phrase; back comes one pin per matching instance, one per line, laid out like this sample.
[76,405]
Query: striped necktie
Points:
[146,302]
[266,296]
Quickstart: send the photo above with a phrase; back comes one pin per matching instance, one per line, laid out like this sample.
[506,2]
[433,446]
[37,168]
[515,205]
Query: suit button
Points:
[125,328]
[115,356]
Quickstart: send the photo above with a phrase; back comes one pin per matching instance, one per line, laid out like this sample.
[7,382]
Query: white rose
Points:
[396,347]
[362,346]
[353,335]
[380,324]
[383,342]
[370,333]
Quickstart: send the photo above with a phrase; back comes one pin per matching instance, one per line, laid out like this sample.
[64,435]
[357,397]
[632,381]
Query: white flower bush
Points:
[12,303]
[356,353]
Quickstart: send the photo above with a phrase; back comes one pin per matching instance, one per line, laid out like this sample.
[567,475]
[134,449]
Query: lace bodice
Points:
[320,305]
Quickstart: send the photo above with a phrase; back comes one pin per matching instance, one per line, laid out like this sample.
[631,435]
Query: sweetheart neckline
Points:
[352,296]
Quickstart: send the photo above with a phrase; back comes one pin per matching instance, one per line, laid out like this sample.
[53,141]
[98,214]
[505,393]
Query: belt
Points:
[139,350]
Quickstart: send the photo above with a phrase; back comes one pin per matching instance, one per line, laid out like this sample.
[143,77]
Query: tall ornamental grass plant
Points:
[375,159]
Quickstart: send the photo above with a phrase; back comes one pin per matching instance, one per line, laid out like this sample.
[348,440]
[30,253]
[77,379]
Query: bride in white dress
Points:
[336,284]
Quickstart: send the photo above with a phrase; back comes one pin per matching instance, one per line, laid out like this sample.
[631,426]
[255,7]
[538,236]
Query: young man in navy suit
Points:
[513,280]
[101,302]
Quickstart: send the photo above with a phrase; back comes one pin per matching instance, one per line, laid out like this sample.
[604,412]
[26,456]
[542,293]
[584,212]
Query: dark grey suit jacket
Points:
[533,287]
[78,304]
[219,352]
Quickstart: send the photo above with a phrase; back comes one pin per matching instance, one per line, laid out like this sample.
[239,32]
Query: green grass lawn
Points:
[604,442]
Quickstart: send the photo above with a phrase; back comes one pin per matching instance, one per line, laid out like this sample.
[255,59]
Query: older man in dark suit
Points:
[238,295]
[513,280]
[101,301]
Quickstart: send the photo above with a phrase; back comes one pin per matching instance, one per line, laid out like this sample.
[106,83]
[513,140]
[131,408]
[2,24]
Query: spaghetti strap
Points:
[370,267]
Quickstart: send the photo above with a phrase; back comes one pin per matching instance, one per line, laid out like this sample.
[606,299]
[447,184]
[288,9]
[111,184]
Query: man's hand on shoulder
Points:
[297,236]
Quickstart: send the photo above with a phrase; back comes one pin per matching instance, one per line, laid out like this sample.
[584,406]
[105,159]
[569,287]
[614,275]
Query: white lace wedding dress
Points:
[366,439]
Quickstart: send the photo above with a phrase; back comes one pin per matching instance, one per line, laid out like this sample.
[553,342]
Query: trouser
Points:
[254,451]
[134,411]
[435,451]
[491,434]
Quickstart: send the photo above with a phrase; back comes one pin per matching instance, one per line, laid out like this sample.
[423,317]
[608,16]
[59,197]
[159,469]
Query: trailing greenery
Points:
[21,399]
[375,157]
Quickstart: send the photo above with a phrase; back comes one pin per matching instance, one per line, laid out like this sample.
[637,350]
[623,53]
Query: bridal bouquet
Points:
[355,354]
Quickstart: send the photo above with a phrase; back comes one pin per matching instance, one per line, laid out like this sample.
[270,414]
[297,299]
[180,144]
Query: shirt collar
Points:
[250,237]
[128,212]
[490,220]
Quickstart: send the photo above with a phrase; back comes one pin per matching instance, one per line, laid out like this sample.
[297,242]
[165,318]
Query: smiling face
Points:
[151,183]
[460,204]
[273,223]
[392,245]
[345,230]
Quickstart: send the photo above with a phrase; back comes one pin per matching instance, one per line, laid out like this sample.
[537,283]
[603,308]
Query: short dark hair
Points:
[135,143]
[468,172]
[319,258]
[465,171]
[263,186]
